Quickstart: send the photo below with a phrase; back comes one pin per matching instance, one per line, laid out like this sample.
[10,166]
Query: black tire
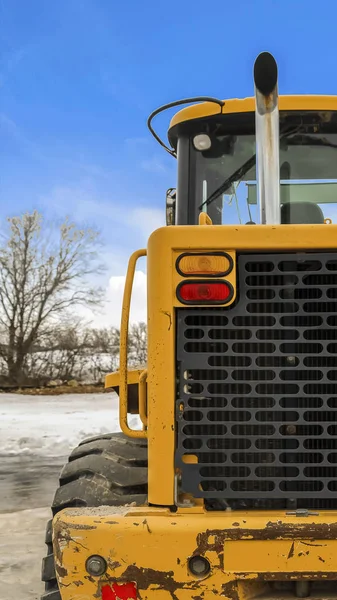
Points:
[108,470]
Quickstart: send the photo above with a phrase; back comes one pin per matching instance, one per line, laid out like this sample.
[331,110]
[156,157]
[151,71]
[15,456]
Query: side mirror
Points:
[171,196]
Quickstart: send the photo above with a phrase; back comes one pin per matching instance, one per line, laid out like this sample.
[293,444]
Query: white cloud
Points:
[146,220]
[110,315]
[79,200]
[84,204]
[138,304]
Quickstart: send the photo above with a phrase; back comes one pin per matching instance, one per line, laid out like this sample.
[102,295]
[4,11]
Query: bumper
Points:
[250,554]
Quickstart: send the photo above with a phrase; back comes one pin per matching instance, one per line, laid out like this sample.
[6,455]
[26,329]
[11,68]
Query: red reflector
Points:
[124,591]
[204,292]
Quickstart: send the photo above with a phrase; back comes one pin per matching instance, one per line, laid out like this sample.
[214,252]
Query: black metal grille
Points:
[257,399]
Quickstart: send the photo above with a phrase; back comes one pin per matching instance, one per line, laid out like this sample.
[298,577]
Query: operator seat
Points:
[306,213]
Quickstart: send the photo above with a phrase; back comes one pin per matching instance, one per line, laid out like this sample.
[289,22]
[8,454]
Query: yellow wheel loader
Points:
[228,489]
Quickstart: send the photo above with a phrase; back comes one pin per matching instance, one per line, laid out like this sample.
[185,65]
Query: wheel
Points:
[108,470]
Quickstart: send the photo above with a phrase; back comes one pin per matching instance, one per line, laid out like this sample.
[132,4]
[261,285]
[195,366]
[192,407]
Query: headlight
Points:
[202,142]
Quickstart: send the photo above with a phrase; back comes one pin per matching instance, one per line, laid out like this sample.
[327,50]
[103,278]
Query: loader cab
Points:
[217,144]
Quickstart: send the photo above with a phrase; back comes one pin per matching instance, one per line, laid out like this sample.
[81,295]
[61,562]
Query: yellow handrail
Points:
[123,348]
[142,397]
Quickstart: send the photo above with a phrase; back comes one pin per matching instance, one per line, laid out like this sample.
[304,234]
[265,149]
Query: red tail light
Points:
[204,292]
[124,591]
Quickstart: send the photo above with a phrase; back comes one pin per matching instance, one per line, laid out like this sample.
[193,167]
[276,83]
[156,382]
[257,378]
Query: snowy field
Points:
[36,435]
[51,426]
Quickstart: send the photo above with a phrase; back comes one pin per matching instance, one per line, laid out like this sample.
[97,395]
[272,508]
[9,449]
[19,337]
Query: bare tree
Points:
[105,352]
[137,344]
[75,351]
[106,340]
[44,273]
[63,353]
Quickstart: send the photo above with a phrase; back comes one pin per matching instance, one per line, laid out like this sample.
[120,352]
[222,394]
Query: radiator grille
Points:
[257,397]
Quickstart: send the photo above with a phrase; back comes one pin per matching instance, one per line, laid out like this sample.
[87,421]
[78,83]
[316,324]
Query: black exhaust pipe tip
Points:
[265,73]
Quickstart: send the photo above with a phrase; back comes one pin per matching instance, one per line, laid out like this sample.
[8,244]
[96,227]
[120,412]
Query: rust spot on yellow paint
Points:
[147,525]
[310,544]
[230,590]
[168,314]
[82,526]
[291,551]
[293,576]
[113,564]
[162,580]
[61,571]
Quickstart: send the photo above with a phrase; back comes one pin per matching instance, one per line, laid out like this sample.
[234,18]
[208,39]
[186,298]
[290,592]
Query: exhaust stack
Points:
[267,138]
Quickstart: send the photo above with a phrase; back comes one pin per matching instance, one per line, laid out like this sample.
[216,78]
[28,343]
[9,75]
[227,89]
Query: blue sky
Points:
[78,79]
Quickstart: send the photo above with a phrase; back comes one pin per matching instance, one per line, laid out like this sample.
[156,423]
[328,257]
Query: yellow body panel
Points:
[164,246]
[151,547]
[244,105]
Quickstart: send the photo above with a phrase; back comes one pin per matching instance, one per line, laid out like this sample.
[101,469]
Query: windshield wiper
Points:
[238,174]
[292,140]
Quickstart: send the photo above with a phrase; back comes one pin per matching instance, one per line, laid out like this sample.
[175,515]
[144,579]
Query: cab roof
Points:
[244,105]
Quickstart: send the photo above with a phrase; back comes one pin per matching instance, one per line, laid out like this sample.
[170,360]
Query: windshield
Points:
[308,174]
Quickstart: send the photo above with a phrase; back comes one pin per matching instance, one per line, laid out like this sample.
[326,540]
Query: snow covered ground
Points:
[21,552]
[36,435]
[52,425]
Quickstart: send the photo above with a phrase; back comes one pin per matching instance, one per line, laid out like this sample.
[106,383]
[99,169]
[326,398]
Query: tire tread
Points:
[109,470]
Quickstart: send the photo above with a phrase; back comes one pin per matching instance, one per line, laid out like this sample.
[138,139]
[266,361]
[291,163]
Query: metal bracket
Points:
[185,503]
[302,512]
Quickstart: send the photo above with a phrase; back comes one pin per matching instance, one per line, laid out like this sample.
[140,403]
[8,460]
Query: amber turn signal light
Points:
[204,292]
[216,264]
